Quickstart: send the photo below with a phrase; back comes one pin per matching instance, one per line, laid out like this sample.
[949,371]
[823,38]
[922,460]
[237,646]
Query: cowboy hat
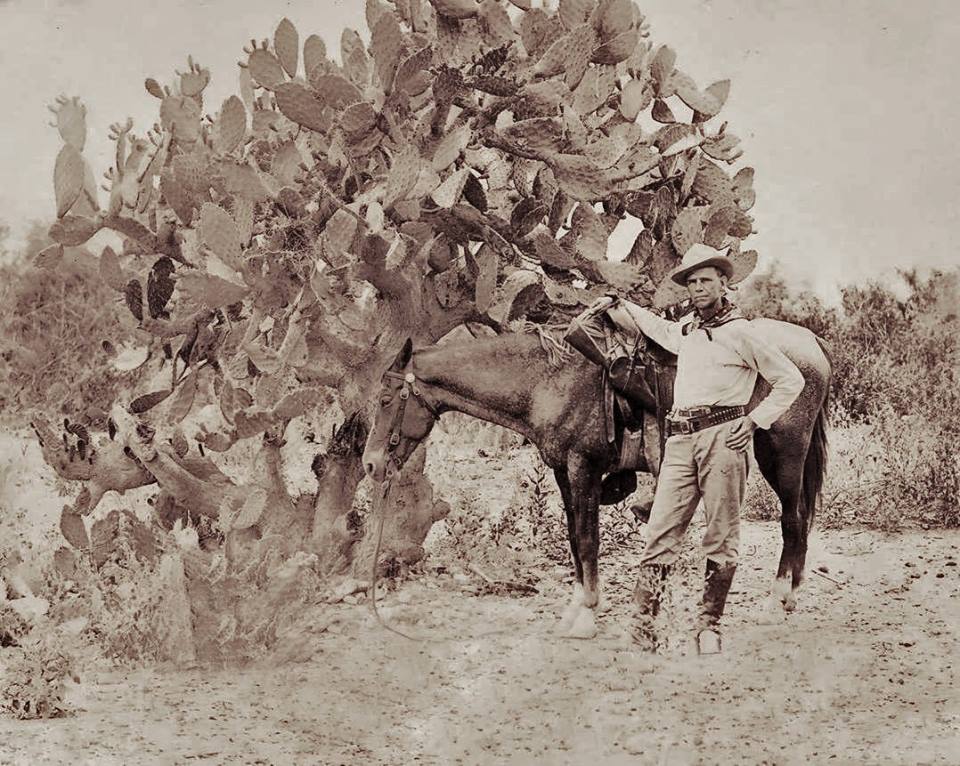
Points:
[700,256]
[741,262]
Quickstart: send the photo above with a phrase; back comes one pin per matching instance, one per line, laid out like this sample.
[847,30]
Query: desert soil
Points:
[864,671]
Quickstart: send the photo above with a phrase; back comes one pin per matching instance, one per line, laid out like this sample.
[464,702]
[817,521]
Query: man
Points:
[709,433]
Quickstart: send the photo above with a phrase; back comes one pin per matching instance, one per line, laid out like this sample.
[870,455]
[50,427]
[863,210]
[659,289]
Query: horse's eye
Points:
[384,401]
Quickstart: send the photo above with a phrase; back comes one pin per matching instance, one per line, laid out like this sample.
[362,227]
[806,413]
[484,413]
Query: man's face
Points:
[705,286]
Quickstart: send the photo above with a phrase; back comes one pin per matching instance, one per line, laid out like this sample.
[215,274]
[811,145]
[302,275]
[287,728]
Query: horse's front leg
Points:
[576,600]
[584,489]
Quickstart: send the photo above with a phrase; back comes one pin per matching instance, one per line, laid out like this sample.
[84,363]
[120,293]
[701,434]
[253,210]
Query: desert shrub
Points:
[896,360]
[52,324]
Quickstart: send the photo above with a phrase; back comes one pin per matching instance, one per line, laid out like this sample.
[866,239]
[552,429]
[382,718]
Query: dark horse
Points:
[510,380]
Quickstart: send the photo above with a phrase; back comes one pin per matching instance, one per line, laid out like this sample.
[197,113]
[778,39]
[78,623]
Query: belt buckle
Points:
[682,427]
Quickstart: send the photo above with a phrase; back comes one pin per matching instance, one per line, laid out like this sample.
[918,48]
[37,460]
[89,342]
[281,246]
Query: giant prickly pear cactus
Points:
[469,165]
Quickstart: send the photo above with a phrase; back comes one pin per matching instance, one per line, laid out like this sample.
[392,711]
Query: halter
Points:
[410,386]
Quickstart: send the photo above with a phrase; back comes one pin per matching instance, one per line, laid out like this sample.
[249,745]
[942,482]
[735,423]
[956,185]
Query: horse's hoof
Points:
[584,625]
[771,611]
[789,602]
[708,641]
[570,613]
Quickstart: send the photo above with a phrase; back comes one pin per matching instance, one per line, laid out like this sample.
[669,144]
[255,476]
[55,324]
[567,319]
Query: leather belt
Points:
[693,419]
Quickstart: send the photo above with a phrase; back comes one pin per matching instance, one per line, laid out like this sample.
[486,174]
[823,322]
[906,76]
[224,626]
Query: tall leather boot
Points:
[716,586]
[647,595]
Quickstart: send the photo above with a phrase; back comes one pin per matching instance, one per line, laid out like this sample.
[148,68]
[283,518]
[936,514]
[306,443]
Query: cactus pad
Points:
[386,44]
[743,188]
[220,234]
[231,125]
[580,46]
[573,13]
[413,76]
[661,67]
[334,91]
[67,178]
[456,9]
[299,105]
[618,48]
[266,70]
[495,23]
[286,42]
[71,121]
[73,230]
[314,54]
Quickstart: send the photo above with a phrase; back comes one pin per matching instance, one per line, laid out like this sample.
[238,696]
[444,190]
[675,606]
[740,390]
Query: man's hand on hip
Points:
[741,434]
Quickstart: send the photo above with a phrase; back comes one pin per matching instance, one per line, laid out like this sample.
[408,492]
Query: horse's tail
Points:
[815,464]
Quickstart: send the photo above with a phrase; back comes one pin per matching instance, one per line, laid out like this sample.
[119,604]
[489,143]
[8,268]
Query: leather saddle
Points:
[636,392]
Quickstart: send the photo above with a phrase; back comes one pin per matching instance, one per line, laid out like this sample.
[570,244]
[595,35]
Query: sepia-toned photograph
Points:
[457,382]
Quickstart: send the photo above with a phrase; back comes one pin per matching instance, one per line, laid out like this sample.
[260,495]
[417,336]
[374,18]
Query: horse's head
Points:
[404,418]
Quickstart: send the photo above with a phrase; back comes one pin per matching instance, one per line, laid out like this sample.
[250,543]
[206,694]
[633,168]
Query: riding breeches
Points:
[698,466]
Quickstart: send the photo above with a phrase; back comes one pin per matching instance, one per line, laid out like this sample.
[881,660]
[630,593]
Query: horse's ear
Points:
[403,358]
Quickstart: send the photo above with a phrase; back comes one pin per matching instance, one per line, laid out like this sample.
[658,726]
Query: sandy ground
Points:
[865,671]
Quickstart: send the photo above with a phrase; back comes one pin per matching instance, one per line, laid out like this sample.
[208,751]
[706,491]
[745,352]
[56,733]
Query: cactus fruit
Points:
[286,42]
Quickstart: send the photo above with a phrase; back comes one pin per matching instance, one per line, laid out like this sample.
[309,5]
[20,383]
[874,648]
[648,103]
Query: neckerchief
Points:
[728,312]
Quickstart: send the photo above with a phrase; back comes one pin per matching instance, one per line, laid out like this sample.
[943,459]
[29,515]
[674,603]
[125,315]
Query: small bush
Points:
[52,323]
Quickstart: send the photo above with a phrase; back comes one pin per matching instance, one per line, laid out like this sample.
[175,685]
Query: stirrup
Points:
[715,631]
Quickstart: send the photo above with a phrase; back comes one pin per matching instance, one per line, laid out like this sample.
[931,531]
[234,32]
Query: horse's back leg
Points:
[781,461]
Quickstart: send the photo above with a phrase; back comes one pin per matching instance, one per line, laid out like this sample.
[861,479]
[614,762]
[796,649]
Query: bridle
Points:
[410,385]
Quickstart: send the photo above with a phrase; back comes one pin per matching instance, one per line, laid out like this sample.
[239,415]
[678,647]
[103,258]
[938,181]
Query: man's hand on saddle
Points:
[741,434]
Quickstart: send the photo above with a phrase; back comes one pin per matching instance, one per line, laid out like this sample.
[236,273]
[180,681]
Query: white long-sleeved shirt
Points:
[722,371]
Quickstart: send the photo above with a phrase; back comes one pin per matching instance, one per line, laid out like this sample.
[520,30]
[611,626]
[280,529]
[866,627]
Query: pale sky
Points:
[847,108]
